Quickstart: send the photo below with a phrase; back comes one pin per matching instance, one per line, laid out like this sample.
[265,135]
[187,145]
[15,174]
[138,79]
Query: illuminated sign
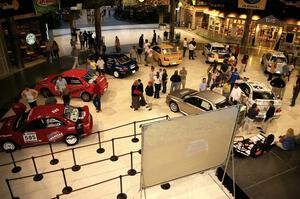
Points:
[252,4]
[30,39]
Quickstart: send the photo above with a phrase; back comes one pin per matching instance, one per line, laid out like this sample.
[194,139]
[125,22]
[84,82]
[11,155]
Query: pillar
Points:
[193,25]
[246,31]
[12,31]
[4,60]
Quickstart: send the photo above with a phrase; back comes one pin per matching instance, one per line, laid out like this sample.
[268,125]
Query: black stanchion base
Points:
[16,169]
[135,140]
[121,196]
[100,150]
[54,161]
[165,186]
[76,168]
[114,158]
[67,190]
[38,177]
[140,151]
[131,172]
[15,198]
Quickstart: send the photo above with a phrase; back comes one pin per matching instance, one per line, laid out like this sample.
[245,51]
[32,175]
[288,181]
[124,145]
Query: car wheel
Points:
[46,92]
[173,107]
[86,97]
[159,62]
[116,74]
[8,146]
[71,139]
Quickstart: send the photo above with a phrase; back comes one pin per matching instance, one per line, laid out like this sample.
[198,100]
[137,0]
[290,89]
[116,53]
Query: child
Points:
[203,85]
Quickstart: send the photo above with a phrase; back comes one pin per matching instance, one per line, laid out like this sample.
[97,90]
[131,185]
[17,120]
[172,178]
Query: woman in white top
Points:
[157,85]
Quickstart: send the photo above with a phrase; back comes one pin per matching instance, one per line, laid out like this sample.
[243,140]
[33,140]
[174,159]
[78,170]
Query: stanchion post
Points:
[76,167]
[67,189]
[134,139]
[131,171]
[10,191]
[113,157]
[121,195]
[100,149]
[54,161]
[16,168]
[37,177]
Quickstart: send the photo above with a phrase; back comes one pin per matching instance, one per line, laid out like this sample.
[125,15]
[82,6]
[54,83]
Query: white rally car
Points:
[261,94]
[215,52]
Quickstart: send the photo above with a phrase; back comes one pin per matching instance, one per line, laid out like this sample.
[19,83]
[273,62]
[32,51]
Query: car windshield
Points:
[90,77]
[263,95]
[217,49]
[71,113]
[169,51]
[21,121]
[279,59]
[123,59]
[223,104]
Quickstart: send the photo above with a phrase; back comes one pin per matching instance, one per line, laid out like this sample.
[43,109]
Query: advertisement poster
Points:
[252,4]
[45,6]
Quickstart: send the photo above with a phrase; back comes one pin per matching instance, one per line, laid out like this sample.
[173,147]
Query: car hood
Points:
[183,92]
[6,124]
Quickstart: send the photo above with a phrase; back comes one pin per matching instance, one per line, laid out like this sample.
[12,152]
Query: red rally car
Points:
[45,123]
[79,83]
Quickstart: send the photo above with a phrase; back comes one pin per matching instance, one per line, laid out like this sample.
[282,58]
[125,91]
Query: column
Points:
[4,61]
[193,25]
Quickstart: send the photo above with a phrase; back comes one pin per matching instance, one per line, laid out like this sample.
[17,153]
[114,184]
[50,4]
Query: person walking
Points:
[234,76]
[244,63]
[236,94]
[154,39]
[135,96]
[66,96]
[296,90]
[164,80]
[203,85]
[176,81]
[269,116]
[60,85]
[183,74]
[250,117]
[141,41]
[85,38]
[30,95]
[157,85]
[191,51]
[237,51]
[81,40]
[146,49]
[100,66]
[194,43]
[97,92]
[55,49]
[149,95]
[140,87]
[184,46]
[133,53]
[117,45]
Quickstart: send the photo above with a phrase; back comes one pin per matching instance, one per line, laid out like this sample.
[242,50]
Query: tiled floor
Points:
[116,111]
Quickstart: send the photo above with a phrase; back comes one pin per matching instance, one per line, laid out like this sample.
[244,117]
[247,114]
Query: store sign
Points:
[252,4]
[30,39]
[45,6]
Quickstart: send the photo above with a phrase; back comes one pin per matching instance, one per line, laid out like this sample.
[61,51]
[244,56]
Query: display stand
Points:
[113,157]
[75,167]
[37,177]
[16,168]
[54,161]
[100,149]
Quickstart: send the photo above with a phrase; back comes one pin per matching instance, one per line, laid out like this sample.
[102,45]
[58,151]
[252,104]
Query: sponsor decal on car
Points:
[56,135]
[30,137]
[5,136]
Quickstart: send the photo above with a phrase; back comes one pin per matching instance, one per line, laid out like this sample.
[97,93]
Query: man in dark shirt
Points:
[251,116]
[140,87]
[296,91]
[176,81]
[269,115]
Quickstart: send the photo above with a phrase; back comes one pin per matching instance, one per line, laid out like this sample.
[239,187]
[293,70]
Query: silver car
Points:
[189,101]
[270,57]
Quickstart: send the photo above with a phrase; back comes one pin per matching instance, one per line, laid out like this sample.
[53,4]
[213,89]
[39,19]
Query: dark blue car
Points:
[118,65]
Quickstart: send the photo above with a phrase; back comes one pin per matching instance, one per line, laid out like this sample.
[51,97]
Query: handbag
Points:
[136,92]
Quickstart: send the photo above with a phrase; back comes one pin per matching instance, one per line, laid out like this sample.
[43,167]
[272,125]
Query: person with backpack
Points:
[149,95]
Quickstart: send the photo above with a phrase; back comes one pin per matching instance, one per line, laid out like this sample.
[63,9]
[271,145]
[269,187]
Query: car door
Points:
[55,129]
[33,132]
[246,94]
[192,105]
[75,86]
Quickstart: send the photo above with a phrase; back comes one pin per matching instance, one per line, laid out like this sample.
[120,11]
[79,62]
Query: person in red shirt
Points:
[97,96]
[237,51]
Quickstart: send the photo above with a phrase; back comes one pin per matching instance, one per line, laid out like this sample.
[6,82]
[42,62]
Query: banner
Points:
[45,6]
[252,4]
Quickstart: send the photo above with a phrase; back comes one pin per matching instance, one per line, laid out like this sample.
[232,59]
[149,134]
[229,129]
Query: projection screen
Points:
[186,145]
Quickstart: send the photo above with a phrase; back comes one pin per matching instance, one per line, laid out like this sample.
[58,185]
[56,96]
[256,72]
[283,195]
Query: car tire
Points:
[46,92]
[116,74]
[174,107]
[71,139]
[86,97]
[8,146]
